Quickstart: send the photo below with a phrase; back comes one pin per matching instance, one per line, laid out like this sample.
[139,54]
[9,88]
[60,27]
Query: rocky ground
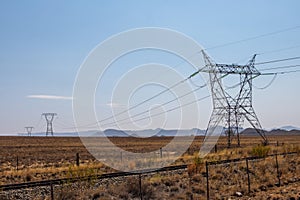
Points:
[288,192]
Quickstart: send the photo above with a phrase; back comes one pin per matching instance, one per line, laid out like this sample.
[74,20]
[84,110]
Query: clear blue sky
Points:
[43,43]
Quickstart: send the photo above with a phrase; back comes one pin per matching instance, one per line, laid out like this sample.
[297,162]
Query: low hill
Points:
[251,131]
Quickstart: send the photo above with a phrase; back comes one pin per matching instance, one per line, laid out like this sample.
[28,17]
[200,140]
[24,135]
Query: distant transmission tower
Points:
[49,119]
[231,111]
[29,130]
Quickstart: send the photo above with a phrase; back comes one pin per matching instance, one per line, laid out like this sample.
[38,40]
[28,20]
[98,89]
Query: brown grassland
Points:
[24,159]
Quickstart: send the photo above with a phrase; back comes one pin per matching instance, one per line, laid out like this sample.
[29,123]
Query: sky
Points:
[44,43]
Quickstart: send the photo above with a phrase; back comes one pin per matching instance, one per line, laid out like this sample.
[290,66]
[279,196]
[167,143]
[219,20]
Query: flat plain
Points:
[24,159]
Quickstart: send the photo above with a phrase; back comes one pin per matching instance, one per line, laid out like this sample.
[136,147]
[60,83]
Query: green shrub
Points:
[198,160]
[260,151]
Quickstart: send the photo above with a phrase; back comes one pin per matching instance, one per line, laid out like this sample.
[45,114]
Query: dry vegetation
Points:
[42,158]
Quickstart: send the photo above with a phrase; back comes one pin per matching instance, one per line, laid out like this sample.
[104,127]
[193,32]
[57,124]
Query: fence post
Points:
[77,159]
[160,150]
[216,148]
[277,169]
[121,154]
[248,176]
[51,191]
[17,163]
[207,180]
[140,184]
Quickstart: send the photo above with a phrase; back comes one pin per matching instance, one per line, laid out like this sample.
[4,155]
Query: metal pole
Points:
[248,176]
[277,169]
[77,159]
[140,183]
[207,180]
[51,192]
[160,150]
[238,138]
[17,163]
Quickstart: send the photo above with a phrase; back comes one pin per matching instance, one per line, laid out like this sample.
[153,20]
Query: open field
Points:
[25,159]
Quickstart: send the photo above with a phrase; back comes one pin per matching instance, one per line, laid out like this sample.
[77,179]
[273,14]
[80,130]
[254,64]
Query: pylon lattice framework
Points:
[49,119]
[29,130]
[231,111]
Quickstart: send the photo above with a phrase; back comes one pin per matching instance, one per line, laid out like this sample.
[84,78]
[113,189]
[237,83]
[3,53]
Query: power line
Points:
[135,106]
[223,45]
[189,103]
[168,102]
[287,72]
[255,37]
[268,85]
[249,39]
[141,113]
[276,73]
[273,51]
[279,60]
[282,72]
[164,104]
[180,106]
[146,100]
[170,110]
[218,46]
[281,67]
[279,50]
[231,87]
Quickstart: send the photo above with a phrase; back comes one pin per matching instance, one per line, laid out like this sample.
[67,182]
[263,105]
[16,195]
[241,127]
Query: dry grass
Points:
[43,158]
[48,158]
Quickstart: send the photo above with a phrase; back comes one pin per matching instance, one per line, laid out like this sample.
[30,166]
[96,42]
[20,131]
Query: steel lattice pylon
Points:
[49,119]
[231,111]
[29,130]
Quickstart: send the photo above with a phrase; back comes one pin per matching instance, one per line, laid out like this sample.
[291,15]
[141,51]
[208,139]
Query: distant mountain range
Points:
[287,128]
[291,130]
[129,133]
[251,131]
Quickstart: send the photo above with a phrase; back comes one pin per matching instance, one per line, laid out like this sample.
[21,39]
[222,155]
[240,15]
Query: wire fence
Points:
[251,174]
[211,180]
